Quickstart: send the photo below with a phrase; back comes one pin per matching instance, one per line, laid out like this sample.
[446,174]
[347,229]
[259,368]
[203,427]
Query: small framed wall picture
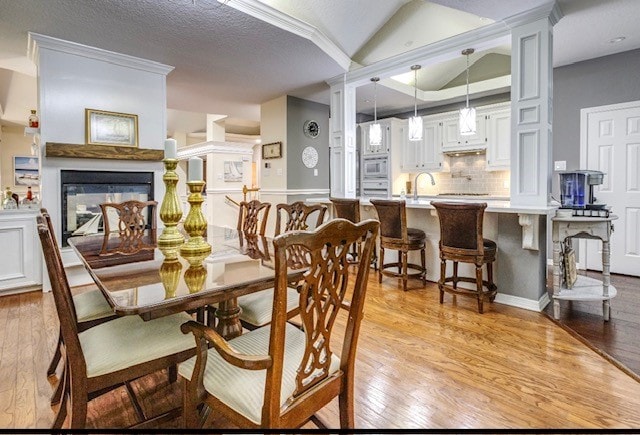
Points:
[272,150]
[111,128]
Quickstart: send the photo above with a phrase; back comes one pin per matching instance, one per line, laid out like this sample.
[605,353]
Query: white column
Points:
[531,110]
[342,140]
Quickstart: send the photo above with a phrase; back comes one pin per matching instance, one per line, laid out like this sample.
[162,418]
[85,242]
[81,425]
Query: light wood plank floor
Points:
[420,365]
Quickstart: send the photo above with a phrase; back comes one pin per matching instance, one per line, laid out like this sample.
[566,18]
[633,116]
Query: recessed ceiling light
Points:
[408,43]
[367,101]
[617,39]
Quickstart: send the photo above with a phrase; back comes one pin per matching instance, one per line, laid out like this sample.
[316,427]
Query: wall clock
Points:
[311,129]
[310,157]
[272,150]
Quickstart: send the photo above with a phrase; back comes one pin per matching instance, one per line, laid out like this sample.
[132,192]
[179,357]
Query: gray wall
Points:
[596,82]
[298,175]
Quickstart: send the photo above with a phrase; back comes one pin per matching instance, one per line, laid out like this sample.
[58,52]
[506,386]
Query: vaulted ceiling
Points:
[232,55]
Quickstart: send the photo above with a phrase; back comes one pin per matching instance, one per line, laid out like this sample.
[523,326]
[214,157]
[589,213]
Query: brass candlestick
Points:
[170,210]
[196,273]
[195,224]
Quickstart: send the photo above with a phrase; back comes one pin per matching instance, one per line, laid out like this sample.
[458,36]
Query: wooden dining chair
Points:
[91,309]
[111,354]
[134,220]
[298,216]
[279,376]
[257,307]
[252,217]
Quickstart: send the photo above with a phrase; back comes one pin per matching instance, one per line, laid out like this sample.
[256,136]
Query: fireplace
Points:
[82,192]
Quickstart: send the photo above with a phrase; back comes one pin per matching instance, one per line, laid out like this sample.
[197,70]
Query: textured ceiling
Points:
[227,62]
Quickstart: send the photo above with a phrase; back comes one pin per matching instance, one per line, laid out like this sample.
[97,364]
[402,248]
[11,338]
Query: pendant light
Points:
[467,121]
[375,131]
[415,122]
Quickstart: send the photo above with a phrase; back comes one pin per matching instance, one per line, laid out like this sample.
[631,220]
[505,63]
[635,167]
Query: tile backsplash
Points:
[467,174]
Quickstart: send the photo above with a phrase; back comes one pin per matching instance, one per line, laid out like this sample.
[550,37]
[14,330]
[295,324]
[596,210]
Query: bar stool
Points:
[394,234]
[461,241]
[349,209]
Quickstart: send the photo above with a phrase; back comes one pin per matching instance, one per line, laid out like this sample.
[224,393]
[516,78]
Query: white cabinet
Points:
[425,154]
[452,140]
[20,256]
[499,140]
[367,148]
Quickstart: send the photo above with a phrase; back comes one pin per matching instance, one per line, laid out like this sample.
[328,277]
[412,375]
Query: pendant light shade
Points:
[375,131]
[415,122]
[467,122]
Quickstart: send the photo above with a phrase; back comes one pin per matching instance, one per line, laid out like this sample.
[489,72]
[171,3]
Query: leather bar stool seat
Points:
[416,235]
[395,235]
[461,241]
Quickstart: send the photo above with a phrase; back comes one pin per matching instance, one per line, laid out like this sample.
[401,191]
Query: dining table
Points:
[145,279]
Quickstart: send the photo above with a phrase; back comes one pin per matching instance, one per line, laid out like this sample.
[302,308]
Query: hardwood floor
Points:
[420,365]
[618,338]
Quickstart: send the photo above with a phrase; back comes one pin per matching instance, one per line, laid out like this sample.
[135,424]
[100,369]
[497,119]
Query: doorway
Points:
[610,142]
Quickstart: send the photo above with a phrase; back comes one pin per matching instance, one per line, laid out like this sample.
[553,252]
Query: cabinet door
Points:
[21,258]
[452,139]
[499,140]
[411,151]
[480,137]
[450,134]
[431,146]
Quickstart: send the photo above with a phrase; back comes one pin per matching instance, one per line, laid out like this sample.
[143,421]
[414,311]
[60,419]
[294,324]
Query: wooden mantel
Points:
[82,151]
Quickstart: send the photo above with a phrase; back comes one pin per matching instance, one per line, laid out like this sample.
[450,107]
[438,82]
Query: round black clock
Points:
[311,129]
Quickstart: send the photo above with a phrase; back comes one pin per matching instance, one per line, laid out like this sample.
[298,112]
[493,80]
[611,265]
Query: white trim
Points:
[527,304]
[270,15]
[214,147]
[37,41]
[294,191]
[550,10]
[222,190]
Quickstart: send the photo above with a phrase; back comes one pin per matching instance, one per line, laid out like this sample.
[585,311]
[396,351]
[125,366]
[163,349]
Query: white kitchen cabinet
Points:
[499,140]
[20,256]
[425,154]
[452,140]
[367,148]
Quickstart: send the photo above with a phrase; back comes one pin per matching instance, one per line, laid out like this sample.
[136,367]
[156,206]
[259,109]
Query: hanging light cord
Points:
[467,81]
[415,92]
[375,100]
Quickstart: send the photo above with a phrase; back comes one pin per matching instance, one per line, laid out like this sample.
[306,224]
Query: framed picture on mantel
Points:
[111,128]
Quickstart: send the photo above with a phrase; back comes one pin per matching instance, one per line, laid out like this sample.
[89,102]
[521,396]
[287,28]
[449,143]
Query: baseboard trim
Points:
[527,304]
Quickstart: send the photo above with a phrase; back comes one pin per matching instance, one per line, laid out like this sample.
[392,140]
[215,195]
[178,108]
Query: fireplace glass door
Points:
[84,191]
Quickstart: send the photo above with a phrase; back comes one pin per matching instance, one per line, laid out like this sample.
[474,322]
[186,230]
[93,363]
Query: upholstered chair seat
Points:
[243,390]
[416,235]
[257,307]
[91,305]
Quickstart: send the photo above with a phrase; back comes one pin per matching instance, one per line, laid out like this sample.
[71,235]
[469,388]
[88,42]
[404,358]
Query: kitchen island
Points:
[519,231]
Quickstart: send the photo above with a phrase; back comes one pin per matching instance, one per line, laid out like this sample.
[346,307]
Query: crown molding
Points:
[37,41]
[286,22]
[549,10]
[215,147]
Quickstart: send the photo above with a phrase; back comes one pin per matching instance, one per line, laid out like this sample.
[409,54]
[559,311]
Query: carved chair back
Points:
[132,226]
[252,217]
[322,292]
[298,216]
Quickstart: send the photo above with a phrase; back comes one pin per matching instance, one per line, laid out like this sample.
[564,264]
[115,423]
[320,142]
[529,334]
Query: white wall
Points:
[14,143]
[72,78]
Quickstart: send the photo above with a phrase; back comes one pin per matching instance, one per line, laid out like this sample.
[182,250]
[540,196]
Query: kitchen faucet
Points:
[415,183]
